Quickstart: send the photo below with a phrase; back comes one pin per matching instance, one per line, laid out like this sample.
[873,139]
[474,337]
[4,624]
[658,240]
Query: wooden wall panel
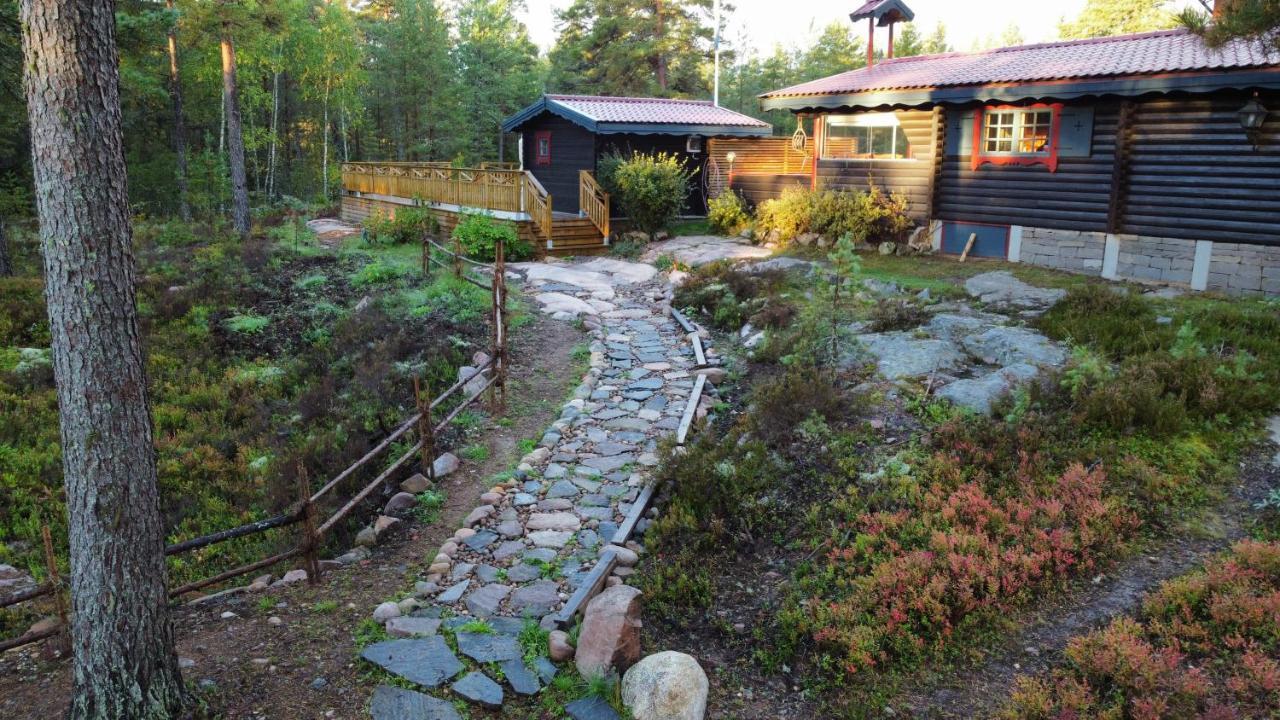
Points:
[572,150]
[1193,174]
[1076,197]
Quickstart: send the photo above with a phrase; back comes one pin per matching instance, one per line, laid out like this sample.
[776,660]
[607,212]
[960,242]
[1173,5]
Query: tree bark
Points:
[6,264]
[662,55]
[275,126]
[125,665]
[179,122]
[235,139]
[324,131]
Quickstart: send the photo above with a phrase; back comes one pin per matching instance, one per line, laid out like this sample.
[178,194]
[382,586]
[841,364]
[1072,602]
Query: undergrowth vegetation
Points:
[1204,646]
[260,356]
[901,554]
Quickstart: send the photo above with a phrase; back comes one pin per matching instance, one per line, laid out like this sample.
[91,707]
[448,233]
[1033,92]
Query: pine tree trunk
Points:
[235,140]
[659,43]
[179,122]
[125,665]
[6,264]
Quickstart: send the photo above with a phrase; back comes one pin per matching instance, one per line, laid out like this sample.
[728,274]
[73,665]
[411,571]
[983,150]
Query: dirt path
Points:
[290,654]
[1038,645]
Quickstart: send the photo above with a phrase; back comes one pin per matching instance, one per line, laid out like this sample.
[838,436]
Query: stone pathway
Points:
[697,250]
[535,539]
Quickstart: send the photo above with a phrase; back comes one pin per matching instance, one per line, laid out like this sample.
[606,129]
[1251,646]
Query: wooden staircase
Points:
[574,235]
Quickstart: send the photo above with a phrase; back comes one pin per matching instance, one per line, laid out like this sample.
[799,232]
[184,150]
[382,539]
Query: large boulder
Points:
[666,686]
[610,634]
[1001,289]
[1006,346]
[902,355]
[978,394]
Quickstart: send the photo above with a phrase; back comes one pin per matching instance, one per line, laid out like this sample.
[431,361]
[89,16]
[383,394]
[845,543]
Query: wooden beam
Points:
[699,355]
[588,589]
[973,237]
[1120,164]
[686,421]
[628,526]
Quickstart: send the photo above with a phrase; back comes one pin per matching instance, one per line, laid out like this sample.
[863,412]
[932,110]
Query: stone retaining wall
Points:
[1230,268]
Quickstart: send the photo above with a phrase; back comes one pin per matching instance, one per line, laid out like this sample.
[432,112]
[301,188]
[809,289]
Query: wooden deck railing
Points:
[537,203]
[594,201]
[492,186]
[483,188]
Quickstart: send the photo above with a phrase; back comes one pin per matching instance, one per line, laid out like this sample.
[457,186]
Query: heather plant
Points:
[1204,646]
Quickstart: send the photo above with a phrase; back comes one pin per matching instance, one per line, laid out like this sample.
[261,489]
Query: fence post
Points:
[426,256]
[498,394]
[457,256]
[310,542]
[63,638]
[426,431]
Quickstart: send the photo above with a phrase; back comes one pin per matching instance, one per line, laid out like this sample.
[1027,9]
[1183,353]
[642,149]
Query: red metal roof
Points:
[1143,54]
[653,110]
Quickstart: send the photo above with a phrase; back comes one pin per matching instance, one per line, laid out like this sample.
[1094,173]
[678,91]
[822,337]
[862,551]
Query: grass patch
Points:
[248,324]
[475,453]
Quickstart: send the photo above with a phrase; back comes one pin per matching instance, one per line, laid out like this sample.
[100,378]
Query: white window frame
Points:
[868,120]
[1017,128]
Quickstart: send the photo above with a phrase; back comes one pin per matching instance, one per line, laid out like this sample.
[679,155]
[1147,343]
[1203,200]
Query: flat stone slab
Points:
[476,687]
[591,708]
[393,703]
[622,272]
[698,250]
[428,662]
[1002,290]
[553,521]
[403,627]
[487,648]
[520,678]
[486,601]
[901,355]
[978,394]
[1005,346]
[453,594]
[585,279]
[536,599]
[550,538]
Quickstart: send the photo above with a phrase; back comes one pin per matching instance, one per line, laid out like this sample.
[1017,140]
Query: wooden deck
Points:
[515,195]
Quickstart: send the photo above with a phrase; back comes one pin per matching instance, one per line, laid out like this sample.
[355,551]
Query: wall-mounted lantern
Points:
[1252,117]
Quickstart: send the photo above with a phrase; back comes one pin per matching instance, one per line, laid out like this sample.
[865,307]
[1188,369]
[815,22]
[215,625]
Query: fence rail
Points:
[304,511]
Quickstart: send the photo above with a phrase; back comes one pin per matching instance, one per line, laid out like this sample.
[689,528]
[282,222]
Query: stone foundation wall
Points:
[1239,269]
[1064,249]
[1230,268]
[1158,259]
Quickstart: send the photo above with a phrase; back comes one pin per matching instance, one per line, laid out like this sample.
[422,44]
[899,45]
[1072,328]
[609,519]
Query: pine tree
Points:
[1255,20]
[125,666]
[1102,18]
[498,71]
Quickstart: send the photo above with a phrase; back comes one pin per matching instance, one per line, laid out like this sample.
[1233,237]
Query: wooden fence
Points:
[754,156]
[303,512]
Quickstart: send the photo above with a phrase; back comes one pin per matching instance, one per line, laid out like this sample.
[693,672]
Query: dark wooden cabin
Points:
[1147,156]
[563,135]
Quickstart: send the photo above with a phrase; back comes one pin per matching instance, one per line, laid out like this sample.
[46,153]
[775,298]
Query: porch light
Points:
[1252,116]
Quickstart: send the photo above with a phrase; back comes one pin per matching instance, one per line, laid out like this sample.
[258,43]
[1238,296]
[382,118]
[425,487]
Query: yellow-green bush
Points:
[728,214]
[863,217]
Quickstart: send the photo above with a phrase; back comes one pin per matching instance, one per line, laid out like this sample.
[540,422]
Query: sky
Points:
[794,22]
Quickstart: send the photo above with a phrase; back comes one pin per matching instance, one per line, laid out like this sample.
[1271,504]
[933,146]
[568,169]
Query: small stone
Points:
[518,676]
[385,525]
[480,513]
[553,521]
[550,538]
[366,537]
[485,648]
[453,594]
[393,703]
[610,635]
[319,684]
[228,615]
[666,686]
[400,502]
[416,484]
[275,621]
[626,558]
[476,687]
[485,601]
[446,464]
[559,647]
[538,598]
[491,498]
[386,611]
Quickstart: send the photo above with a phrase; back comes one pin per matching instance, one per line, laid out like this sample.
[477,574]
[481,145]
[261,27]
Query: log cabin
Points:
[1148,156]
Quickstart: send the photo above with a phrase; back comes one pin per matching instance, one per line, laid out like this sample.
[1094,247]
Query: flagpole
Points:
[716,91]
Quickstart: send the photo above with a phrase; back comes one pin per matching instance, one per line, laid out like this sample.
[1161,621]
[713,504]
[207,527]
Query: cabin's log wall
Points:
[1076,197]
[1194,174]
[670,144]
[911,178]
[572,149]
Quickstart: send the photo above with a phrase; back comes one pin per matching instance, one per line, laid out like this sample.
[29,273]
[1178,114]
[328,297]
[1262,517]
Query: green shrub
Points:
[728,213]
[1116,324]
[23,321]
[894,314]
[728,296]
[479,236]
[248,324]
[377,272]
[863,217]
[407,226]
[651,190]
[627,249]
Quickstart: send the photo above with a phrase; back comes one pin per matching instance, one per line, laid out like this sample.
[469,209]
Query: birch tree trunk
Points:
[179,122]
[125,666]
[324,130]
[235,139]
[275,125]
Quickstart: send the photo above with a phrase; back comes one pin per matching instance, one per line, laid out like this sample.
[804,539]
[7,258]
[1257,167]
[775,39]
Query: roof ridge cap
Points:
[623,98]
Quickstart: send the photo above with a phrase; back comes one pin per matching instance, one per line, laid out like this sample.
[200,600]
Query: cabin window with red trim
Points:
[1017,136]
[542,148]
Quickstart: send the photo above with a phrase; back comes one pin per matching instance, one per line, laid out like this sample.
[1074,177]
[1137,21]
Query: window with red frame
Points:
[542,148]
[1017,136]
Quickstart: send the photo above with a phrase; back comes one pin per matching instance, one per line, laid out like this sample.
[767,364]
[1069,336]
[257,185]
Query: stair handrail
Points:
[538,205]
[594,201]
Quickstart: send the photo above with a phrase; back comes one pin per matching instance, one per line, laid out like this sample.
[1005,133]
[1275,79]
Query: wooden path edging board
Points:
[588,589]
[691,409]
